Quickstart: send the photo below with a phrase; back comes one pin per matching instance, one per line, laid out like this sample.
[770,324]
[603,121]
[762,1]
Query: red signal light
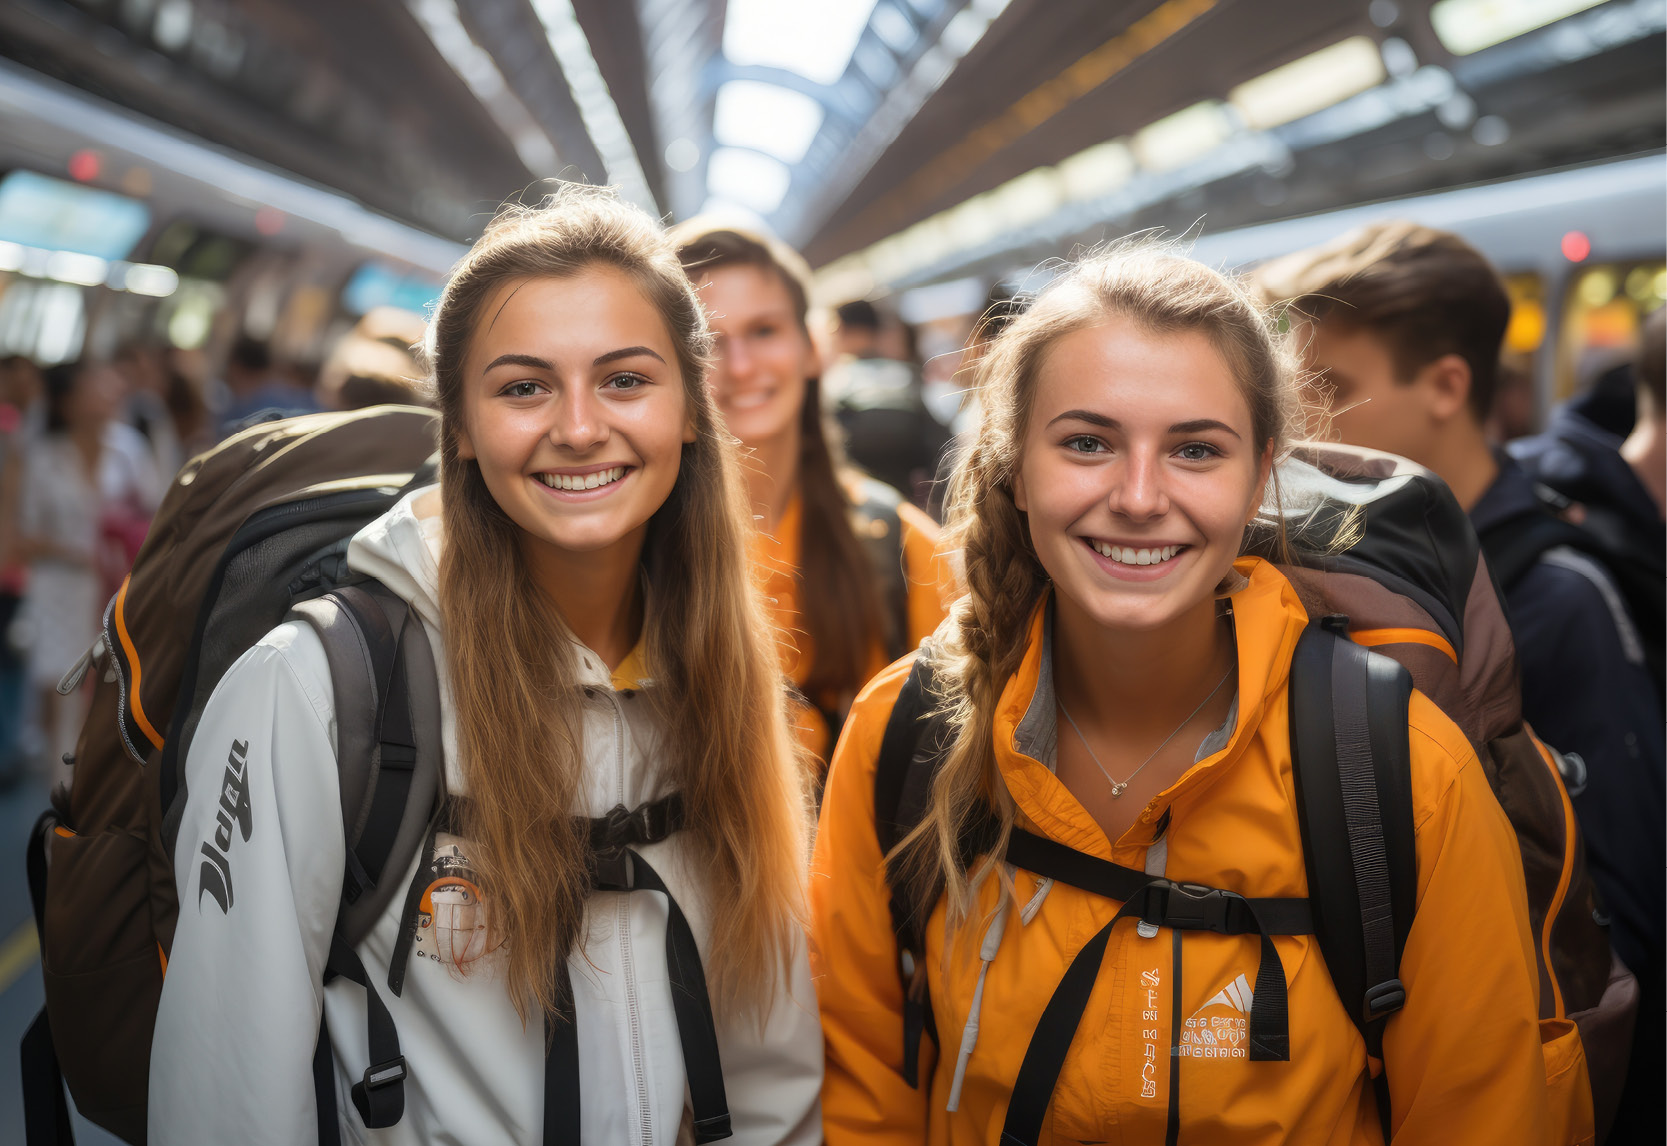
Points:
[85,165]
[1576,246]
[269,221]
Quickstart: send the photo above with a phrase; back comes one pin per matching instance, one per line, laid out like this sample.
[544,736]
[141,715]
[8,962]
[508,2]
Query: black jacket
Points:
[1586,689]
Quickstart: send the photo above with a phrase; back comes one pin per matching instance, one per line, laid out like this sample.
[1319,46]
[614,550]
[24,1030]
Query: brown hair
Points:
[1145,283]
[841,602]
[513,676]
[1424,292]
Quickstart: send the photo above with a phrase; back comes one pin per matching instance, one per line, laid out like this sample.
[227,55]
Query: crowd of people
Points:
[679,535]
[87,450]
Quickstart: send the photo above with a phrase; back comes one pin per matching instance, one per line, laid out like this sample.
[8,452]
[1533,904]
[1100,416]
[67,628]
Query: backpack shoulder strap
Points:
[387,705]
[911,752]
[1515,544]
[388,760]
[878,524]
[1351,756]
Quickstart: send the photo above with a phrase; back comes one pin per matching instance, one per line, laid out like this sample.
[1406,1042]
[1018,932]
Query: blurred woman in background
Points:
[89,488]
[850,568]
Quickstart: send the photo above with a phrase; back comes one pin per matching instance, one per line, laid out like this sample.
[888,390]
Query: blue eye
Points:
[1198,452]
[1084,444]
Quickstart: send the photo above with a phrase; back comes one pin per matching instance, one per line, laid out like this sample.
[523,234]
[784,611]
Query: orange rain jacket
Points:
[1464,1057]
[775,561]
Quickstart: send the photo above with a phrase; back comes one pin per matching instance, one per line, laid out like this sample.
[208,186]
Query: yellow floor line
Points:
[18,953]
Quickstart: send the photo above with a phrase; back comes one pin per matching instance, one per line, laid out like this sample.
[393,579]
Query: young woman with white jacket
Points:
[581,572]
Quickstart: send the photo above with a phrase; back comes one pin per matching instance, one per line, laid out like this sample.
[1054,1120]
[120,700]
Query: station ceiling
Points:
[880,114]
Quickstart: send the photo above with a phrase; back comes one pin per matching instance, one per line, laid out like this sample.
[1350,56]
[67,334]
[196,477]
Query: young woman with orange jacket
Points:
[849,568]
[1117,683]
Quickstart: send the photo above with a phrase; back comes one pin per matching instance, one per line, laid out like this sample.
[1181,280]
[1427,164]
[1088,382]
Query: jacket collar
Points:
[1267,617]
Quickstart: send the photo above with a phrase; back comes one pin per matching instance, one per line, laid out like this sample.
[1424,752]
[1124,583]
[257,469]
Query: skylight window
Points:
[747,178]
[814,38]
[1310,84]
[776,120]
[1466,26]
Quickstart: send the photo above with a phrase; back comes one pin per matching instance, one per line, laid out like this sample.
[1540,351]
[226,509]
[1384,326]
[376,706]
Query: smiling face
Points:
[1139,473]
[574,409]
[764,356]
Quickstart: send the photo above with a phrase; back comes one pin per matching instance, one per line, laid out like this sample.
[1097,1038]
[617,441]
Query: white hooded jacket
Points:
[239,1017]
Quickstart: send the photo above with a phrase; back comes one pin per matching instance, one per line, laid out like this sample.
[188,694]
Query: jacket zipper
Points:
[627,961]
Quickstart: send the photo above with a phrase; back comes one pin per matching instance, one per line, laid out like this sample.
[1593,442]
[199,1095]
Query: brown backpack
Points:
[1385,556]
[247,531]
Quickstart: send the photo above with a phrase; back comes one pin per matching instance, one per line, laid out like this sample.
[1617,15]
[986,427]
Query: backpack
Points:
[1398,595]
[1516,544]
[247,530]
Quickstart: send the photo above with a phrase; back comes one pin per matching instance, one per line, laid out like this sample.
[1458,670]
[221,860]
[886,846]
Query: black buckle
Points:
[713,1128]
[1385,999]
[611,869]
[385,1074]
[1189,906]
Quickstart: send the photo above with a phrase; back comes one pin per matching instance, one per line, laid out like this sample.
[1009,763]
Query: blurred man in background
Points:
[1614,486]
[1403,326]
[258,391]
[880,405]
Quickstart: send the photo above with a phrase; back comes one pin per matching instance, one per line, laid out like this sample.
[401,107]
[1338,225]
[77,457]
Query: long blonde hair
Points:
[513,676]
[1161,290]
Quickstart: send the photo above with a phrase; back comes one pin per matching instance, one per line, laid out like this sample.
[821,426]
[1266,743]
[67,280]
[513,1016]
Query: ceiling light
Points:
[149,279]
[896,29]
[82,270]
[682,154]
[974,222]
[1305,86]
[1466,26]
[1030,198]
[755,181]
[924,244]
[1099,170]
[775,120]
[814,38]
[1178,139]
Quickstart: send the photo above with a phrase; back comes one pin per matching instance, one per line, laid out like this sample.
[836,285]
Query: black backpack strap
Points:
[616,865]
[45,1107]
[379,1095]
[1351,757]
[1514,545]
[561,1068]
[388,758]
[1163,903]
[902,784]
[878,524]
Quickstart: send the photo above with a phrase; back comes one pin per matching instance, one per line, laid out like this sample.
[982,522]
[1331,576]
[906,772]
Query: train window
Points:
[50,214]
[377,284]
[1604,306]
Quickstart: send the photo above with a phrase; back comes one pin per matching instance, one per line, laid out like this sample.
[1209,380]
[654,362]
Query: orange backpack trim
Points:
[1371,638]
[134,702]
[1570,842]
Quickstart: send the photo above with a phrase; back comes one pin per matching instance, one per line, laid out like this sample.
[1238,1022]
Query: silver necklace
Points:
[1116,786]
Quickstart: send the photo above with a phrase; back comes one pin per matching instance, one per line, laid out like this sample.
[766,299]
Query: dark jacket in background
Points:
[1586,689]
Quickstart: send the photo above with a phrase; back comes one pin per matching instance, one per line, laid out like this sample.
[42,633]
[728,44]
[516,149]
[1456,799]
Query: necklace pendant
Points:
[1117,789]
